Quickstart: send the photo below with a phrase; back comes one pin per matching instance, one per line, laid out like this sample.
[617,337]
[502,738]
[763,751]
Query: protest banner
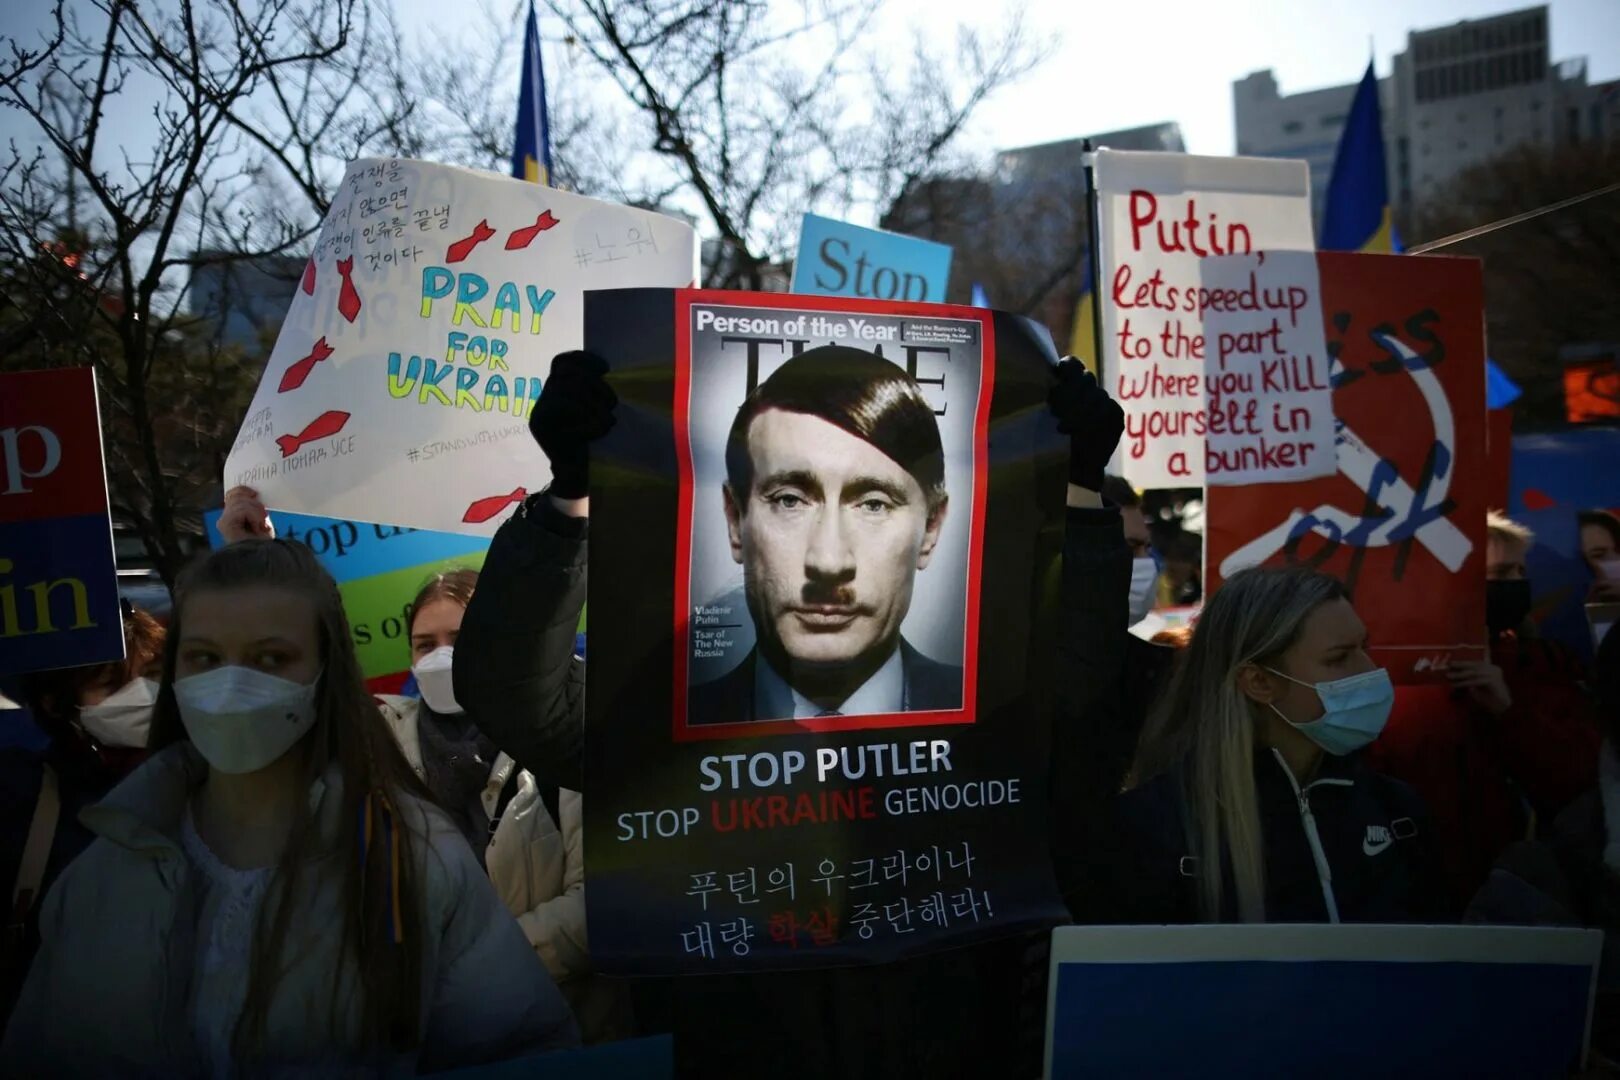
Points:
[1160,215]
[839,259]
[378,570]
[420,334]
[813,740]
[1268,404]
[1404,516]
[58,577]
[1556,475]
[1424,1001]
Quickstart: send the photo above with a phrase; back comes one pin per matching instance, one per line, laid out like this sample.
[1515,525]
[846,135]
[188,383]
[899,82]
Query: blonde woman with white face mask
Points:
[530,839]
[1248,800]
[96,722]
[273,890]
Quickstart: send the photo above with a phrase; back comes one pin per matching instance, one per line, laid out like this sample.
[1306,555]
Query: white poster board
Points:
[1268,394]
[1325,1001]
[1160,216]
[422,330]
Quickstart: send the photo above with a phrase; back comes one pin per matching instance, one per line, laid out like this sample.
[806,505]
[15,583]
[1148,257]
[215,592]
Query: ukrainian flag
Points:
[1081,339]
[531,152]
[1357,216]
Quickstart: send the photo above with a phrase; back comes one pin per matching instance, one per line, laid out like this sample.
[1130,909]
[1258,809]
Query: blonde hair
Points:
[1203,728]
[1498,526]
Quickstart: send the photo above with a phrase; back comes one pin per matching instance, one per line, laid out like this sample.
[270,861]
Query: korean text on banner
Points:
[58,578]
[420,334]
[839,259]
[1404,515]
[1161,215]
[823,739]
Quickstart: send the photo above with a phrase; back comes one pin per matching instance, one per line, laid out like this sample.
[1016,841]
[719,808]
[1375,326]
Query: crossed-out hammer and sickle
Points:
[1359,463]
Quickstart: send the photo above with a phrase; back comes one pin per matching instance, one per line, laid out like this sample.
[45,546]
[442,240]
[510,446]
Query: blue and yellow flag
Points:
[1081,338]
[531,150]
[1357,216]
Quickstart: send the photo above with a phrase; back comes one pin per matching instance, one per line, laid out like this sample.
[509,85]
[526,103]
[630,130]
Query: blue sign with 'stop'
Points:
[839,259]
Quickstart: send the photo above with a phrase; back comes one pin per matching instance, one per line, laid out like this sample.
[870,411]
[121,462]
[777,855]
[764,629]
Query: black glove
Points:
[575,408]
[1091,419]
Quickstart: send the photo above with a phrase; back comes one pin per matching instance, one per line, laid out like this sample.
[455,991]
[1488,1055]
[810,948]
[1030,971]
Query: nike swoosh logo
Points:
[1369,847]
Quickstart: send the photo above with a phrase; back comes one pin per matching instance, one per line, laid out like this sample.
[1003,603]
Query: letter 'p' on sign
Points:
[58,577]
[28,453]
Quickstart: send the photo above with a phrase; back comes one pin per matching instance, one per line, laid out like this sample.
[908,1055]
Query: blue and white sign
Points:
[839,259]
[1319,1001]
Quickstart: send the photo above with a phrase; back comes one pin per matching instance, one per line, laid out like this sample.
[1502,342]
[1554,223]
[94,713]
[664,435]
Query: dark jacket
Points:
[1481,776]
[83,778]
[1373,834]
[1563,880]
[970,1011]
[729,699]
[515,670]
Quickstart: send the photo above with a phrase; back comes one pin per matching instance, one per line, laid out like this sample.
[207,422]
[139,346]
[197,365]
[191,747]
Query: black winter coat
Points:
[82,779]
[976,1011]
[1369,855]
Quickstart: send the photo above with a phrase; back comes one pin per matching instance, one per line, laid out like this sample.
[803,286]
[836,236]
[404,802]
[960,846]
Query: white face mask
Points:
[240,719]
[433,679]
[1144,587]
[124,717]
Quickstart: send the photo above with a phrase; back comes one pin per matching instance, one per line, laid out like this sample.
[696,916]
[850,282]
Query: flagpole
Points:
[1093,256]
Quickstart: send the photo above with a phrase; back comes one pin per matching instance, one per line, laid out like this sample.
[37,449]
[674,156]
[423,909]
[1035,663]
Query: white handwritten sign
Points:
[423,327]
[1267,393]
[1161,215]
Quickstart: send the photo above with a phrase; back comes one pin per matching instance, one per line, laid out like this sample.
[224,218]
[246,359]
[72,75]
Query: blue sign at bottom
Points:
[1319,1001]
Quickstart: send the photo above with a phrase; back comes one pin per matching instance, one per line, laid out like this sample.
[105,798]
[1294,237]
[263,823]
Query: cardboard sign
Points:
[378,569]
[1268,403]
[1161,215]
[819,741]
[1404,516]
[58,578]
[419,337]
[839,259]
[1319,1001]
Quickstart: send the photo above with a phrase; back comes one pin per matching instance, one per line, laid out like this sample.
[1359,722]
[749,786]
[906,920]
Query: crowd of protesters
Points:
[226,857]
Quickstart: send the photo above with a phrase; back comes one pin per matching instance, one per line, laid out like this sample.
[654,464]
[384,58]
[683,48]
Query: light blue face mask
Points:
[1357,710]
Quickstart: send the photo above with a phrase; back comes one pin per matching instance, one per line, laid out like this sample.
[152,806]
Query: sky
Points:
[1112,65]
[1120,65]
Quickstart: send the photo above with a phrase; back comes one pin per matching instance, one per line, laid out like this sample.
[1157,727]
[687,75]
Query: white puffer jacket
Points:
[108,993]
[537,868]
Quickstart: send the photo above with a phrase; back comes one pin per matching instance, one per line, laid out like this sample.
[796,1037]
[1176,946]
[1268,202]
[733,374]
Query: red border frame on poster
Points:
[968,714]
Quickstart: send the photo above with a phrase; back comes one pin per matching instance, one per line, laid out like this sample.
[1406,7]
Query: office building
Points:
[1457,97]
